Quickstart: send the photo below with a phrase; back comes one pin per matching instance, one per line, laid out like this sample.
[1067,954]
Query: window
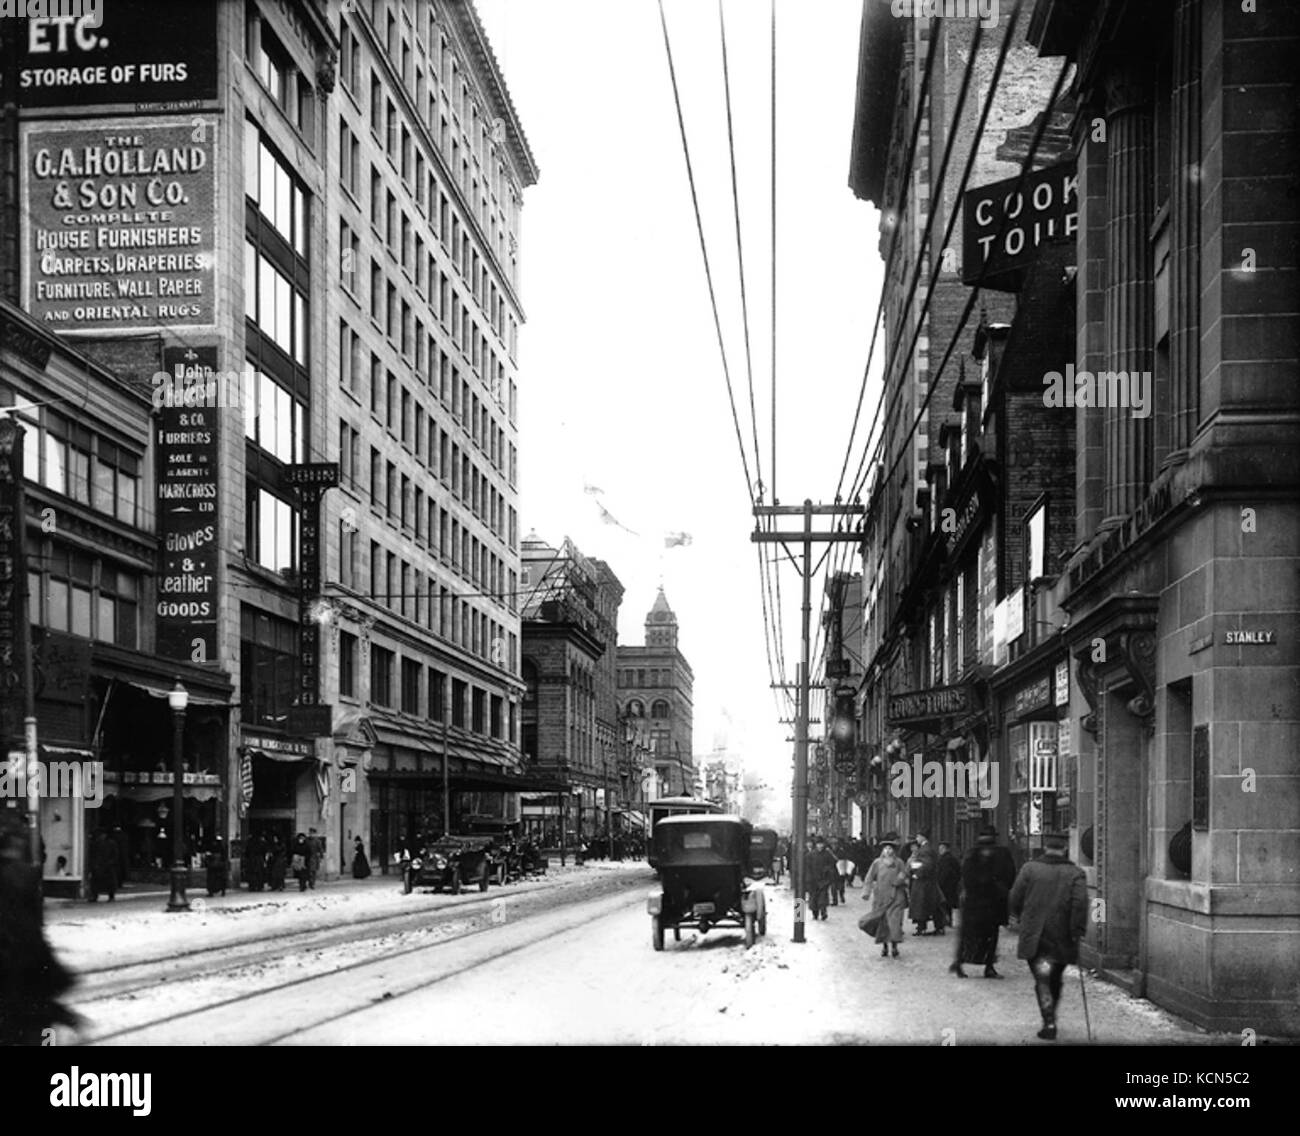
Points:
[347,554]
[1036,542]
[437,694]
[479,711]
[271,530]
[278,195]
[268,667]
[116,486]
[84,595]
[274,419]
[411,675]
[381,676]
[659,709]
[458,691]
[276,306]
[347,665]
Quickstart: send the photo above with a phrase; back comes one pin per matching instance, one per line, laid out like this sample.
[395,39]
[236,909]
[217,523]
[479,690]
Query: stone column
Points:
[1185,219]
[1130,178]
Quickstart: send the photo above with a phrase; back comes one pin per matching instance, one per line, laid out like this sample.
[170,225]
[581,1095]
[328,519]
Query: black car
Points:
[451,863]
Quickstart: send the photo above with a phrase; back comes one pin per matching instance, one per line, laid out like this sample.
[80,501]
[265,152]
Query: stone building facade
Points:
[655,695]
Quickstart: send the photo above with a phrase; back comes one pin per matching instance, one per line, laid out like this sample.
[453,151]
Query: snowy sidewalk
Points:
[94,936]
[836,989]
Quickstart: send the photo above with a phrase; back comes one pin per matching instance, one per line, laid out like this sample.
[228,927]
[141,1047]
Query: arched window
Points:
[659,709]
[636,708]
[529,675]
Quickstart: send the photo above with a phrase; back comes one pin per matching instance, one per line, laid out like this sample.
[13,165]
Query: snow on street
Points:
[570,962]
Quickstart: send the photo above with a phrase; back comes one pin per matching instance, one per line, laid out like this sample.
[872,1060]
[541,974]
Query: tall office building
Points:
[304,217]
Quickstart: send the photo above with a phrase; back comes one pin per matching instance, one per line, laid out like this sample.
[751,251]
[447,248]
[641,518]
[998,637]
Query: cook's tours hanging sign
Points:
[119,228]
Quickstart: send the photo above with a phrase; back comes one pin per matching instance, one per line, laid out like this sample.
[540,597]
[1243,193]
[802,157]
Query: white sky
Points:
[621,380]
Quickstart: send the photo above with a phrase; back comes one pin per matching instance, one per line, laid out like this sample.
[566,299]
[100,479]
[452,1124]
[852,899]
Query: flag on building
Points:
[323,786]
[245,781]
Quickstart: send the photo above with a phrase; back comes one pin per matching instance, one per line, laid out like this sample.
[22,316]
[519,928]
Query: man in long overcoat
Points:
[987,873]
[31,977]
[1050,898]
[923,886]
[103,865]
[819,877]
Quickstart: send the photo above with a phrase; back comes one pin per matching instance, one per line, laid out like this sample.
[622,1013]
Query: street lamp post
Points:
[178,699]
[563,801]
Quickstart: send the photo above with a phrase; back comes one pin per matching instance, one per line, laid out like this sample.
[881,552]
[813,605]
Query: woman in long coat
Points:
[360,865]
[885,886]
[276,867]
[255,862]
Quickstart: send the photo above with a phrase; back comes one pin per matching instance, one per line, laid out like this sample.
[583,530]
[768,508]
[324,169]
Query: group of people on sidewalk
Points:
[1048,897]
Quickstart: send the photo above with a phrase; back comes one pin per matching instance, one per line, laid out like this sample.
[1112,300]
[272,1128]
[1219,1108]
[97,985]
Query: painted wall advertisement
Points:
[120,225]
[187,516]
[91,54]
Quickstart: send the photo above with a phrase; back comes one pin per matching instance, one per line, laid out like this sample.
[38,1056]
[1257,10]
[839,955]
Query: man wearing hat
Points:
[1050,898]
[987,873]
[819,875]
[923,886]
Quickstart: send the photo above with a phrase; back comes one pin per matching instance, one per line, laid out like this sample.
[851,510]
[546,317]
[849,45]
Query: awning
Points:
[195,699]
[165,792]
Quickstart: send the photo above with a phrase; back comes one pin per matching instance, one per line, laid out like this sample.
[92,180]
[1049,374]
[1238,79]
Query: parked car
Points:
[451,863]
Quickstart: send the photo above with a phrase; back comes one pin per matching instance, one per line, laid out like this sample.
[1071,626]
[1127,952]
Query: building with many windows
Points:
[655,685]
[570,732]
[298,243]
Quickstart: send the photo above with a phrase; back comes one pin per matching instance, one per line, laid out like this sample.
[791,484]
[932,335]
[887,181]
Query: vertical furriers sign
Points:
[187,514]
[119,225]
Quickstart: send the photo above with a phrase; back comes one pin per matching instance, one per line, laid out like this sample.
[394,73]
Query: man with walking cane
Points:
[1050,898]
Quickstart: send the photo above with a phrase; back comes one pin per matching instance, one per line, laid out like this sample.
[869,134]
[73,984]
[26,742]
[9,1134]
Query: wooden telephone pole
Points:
[808,538]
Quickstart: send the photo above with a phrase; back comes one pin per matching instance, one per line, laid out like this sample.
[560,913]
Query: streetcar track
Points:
[393,997]
[360,964]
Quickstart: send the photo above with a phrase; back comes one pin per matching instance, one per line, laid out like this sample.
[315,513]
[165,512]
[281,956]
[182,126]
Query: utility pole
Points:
[808,538]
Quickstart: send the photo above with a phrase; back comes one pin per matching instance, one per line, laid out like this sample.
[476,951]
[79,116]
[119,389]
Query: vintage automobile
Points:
[705,871]
[450,863]
[764,862]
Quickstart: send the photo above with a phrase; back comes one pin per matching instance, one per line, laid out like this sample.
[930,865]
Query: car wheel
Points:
[749,929]
[657,932]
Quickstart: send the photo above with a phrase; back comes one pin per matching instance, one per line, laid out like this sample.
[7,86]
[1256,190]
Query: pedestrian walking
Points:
[885,888]
[1050,898]
[299,859]
[948,877]
[843,871]
[217,864]
[276,864]
[315,856]
[360,865]
[923,886]
[255,862]
[987,873]
[819,877]
[31,977]
[103,866]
